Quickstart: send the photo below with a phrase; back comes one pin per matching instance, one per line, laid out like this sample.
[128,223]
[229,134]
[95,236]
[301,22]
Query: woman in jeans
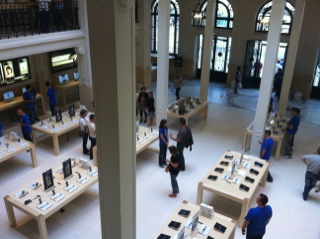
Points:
[163,142]
[174,169]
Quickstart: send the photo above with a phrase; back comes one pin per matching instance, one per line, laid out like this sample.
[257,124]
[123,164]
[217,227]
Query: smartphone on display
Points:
[212,177]
[248,179]
[224,163]
[184,212]
[258,164]
[219,170]
[244,187]
[253,171]
[175,225]
[219,227]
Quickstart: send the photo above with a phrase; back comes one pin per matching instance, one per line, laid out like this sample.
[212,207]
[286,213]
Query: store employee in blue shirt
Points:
[291,130]
[25,125]
[265,152]
[51,97]
[30,98]
[257,219]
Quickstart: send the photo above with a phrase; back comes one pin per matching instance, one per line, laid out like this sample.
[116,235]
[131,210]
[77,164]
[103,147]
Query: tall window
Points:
[263,18]
[224,14]
[173,30]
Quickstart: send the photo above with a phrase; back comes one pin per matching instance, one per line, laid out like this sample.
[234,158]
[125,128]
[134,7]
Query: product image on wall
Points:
[63,60]
[14,70]
[8,71]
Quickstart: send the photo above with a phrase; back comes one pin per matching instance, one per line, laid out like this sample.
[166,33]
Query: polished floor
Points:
[228,117]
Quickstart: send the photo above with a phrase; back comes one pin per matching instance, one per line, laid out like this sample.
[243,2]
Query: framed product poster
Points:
[48,180]
[8,70]
[23,66]
[1,74]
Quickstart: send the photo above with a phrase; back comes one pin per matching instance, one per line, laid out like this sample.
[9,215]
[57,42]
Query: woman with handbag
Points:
[174,169]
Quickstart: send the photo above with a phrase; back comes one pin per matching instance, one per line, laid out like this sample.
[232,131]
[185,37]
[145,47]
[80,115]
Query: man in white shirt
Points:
[83,123]
[92,134]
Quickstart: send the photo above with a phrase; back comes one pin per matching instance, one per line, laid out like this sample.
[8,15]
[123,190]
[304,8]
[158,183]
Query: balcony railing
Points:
[29,18]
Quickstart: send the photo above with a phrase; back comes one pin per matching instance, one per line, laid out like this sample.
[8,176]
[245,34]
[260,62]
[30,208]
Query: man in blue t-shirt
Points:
[265,152]
[30,98]
[25,125]
[291,130]
[257,219]
[51,98]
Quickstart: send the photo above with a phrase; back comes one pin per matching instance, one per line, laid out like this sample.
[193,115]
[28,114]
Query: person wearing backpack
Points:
[183,140]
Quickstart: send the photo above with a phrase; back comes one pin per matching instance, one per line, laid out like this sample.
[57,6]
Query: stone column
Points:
[112,43]
[206,56]
[273,41]
[291,56]
[163,60]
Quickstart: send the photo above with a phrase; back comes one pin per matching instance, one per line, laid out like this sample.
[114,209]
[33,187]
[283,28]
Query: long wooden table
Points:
[11,148]
[230,189]
[277,135]
[5,105]
[12,201]
[202,107]
[54,129]
[144,138]
[208,222]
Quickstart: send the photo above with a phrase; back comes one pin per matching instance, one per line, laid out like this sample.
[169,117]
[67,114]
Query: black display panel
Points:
[63,60]
[14,70]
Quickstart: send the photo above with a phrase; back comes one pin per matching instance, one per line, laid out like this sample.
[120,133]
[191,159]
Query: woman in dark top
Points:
[174,169]
[150,108]
[142,101]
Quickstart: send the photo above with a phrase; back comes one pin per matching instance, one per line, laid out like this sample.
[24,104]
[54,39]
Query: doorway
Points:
[315,89]
[254,62]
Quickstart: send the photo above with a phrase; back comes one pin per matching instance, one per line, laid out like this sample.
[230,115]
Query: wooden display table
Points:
[14,148]
[46,127]
[277,135]
[208,222]
[64,88]
[198,108]
[230,189]
[146,137]
[33,210]
[5,105]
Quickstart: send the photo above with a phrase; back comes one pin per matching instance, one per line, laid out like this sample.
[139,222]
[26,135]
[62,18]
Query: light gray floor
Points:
[293,218]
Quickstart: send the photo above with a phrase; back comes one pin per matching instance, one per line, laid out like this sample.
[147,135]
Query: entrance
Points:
[315,90]
[220,55]
[254,61]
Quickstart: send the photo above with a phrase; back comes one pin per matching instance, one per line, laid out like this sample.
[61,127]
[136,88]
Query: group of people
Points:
[176,164]
[146,106]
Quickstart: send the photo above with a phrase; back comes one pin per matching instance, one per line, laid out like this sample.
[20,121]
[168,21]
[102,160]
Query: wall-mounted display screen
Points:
[14,70]
[63,60]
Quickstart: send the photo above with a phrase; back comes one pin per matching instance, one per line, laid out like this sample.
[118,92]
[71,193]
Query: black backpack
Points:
[189,139]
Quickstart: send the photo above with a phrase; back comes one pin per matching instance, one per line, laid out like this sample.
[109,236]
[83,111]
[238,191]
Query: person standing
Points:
[312,174]
[150,108]
[237,80]
[181,140]
[174,168]
[92,134]
[277,83]
[51,98]
[30,98]
[291,130]
[163,142]
[178,82]
[254,225]
[83,123]
[265,152]
[142,101]
[25,125]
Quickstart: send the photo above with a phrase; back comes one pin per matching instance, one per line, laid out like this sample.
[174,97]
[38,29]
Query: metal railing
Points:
[24,19]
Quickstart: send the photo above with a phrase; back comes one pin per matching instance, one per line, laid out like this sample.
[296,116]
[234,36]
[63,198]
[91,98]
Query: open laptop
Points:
[8,96]
[24,89]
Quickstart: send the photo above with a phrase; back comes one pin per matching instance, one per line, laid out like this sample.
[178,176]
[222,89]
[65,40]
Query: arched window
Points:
[224,14]
[263,18]
[173,31]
